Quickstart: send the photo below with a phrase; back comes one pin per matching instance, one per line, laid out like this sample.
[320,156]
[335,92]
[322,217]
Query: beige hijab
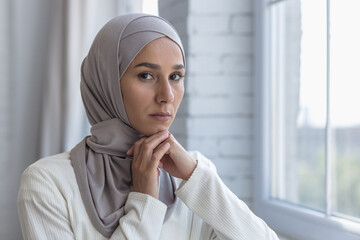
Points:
[102,169]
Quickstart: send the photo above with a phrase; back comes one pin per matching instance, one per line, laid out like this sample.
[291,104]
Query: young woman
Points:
[131,179]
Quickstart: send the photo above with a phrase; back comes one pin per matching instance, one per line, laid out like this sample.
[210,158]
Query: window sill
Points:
[300,223]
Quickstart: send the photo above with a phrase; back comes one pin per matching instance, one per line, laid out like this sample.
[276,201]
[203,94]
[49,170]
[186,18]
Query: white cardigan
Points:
[50,207]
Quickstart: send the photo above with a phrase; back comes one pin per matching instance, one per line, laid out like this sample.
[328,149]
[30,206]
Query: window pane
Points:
[298,77]
[344,105]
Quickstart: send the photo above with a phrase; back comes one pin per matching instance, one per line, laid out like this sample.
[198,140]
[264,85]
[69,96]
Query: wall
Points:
[216,115]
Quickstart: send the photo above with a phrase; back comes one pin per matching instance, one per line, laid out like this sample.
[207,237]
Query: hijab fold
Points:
[102,168]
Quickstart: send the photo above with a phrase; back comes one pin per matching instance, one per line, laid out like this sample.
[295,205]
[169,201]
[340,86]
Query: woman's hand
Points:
[147,152]
[177,161]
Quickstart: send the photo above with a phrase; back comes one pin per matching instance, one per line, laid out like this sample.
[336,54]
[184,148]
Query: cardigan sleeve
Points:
[143,219]
[41,207]
[44,213]
[224,214]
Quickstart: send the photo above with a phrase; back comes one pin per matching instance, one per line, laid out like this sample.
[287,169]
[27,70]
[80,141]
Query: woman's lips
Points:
[161,116]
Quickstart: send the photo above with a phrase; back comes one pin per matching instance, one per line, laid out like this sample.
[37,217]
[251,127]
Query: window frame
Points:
[287,219]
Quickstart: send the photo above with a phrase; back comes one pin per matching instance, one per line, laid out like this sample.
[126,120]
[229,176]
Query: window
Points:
[308,86]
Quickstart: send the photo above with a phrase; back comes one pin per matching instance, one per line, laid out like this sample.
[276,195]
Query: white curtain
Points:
[42,44]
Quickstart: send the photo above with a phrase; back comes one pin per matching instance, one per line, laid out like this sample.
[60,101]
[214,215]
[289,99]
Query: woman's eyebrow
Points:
[148,65]
[156,66]
[178,67]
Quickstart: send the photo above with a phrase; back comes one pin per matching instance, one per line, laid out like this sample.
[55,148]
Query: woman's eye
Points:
[145,76]
[176,77]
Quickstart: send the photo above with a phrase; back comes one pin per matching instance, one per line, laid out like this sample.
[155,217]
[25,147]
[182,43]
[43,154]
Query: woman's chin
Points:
[154,130]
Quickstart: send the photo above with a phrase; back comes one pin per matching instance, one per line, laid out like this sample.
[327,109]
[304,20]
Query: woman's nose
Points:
[165,92]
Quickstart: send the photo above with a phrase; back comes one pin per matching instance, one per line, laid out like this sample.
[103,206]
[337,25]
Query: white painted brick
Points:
[205,24]
[236,64]
[216,115]
[204,63]
[223,6]
[235,147]
[219,64]
[219,127]
[209,147]
[242,24]
[179,126]
[220,44]
[233,166]
[181,139]
[215,85]
[239,186]
[229,106]
[183,108]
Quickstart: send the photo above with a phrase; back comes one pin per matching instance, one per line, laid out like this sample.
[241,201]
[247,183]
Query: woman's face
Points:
[153,86]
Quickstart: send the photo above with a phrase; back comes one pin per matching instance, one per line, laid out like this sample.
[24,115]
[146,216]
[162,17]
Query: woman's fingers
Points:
[130,151]
[136,147]
[177,160]
[151,141]
[147,153]
[148,147]
[160,152]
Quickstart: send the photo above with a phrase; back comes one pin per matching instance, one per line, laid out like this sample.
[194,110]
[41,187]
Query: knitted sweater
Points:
[50,207]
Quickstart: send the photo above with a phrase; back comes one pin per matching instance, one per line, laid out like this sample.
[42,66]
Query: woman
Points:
[131,179]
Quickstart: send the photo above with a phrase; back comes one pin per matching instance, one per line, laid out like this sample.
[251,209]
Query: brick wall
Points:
[216,115]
